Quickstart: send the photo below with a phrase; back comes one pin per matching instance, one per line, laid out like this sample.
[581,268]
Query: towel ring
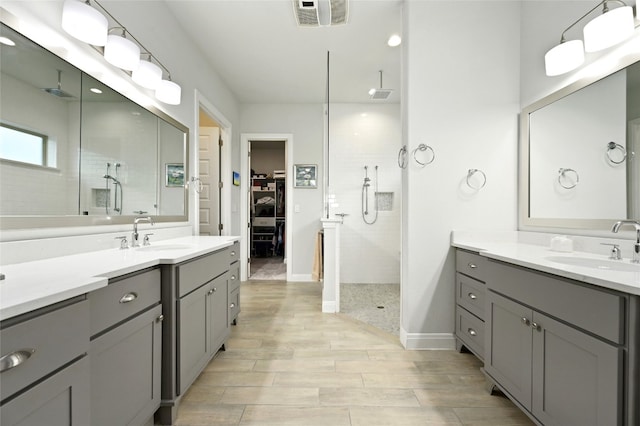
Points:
[423,147]
[200,186]
[470,175]
[402,157]
[612,146]
[562,174]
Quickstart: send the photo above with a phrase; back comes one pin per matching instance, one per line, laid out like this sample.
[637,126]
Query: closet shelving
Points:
[268,216]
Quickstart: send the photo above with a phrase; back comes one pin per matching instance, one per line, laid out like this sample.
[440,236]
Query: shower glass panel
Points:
[119,154]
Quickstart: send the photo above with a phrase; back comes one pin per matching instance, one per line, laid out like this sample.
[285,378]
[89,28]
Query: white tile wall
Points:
[366,134]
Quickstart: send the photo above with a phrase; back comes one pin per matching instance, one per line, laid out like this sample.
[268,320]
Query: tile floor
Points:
[287,363]
[268,268]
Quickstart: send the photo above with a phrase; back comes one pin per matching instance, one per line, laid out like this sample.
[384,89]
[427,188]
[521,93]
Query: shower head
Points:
[57,91]
[112,178]
[380,94]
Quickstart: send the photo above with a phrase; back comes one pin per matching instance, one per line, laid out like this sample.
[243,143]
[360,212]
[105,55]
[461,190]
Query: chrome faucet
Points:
[636,246]
[135,237]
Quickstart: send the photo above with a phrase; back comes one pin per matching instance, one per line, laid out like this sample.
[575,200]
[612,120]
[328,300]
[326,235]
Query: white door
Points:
[209,163]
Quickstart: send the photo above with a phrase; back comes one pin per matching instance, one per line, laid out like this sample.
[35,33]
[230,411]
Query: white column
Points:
[331,265]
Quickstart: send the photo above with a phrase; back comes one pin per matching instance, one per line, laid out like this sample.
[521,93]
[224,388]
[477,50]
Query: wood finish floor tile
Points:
[287,363]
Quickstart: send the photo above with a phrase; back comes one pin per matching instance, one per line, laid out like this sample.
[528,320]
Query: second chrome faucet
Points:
[636,247]
[135,237]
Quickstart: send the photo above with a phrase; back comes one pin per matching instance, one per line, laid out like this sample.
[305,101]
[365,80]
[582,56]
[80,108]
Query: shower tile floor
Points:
[375,304]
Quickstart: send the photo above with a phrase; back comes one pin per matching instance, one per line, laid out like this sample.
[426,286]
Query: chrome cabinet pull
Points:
[160,318]
[210,292]
[14,359]
[536,326]
[233,277]
[215,289]
[233,305]
[525,321]
[472,265]
[129,297]
[472,296]
[472,332]
[233,253]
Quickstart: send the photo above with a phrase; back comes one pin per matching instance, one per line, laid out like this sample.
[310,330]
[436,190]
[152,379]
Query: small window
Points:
[22,145]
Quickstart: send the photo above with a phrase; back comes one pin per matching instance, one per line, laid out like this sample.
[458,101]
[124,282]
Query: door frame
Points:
[225,164]
[245,181]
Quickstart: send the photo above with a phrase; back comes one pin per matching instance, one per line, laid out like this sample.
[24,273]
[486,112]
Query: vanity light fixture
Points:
[85,23]
[606,30]
[168,92]
[122,52]
[148,74]
[82,21]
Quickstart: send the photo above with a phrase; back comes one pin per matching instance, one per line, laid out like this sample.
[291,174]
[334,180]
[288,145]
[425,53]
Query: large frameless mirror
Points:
[75,152]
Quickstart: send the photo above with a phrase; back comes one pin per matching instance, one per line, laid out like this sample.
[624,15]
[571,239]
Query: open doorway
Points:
[267,210]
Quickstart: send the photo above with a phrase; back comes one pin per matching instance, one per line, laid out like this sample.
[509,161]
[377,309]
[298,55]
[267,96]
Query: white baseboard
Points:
[300,278]
[329,307]
[427,341]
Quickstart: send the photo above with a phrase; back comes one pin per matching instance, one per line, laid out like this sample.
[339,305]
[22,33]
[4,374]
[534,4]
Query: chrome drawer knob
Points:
[233,253]
[160,318]
[472,332]
[472,296]
[233,277]
[472,265]
[525,321]
[536,326]
[233,305]
[210,292]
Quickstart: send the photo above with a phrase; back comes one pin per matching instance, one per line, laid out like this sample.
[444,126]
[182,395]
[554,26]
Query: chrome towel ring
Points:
[402,157]
[423,147]
[565,181]
[611,148]
[477,186]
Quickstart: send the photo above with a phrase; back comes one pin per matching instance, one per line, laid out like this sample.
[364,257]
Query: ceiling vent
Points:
[321,13]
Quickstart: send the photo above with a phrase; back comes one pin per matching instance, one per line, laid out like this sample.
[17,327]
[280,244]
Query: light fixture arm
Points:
[604,10]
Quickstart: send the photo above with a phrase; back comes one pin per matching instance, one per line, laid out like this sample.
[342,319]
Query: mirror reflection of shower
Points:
[365,197]
[117,189]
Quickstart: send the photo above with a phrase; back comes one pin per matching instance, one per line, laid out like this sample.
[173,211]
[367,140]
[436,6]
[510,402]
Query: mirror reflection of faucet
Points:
[636,247]
[135,237]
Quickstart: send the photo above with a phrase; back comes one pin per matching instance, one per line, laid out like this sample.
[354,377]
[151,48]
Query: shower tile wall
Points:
[366,134]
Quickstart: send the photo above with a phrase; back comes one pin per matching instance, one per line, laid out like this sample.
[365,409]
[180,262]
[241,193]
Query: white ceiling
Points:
[264,57]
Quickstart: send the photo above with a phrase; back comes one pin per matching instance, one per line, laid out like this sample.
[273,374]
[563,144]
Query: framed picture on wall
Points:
[174,174]
[305,176]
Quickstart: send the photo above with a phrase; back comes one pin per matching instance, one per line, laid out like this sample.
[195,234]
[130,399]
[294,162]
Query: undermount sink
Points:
[602,264]
[164,247]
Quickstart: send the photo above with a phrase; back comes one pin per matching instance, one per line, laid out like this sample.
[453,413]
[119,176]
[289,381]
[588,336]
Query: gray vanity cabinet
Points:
[234,283]
[126,349]
[45,370]
[560,349]
[470,302]
[195,298]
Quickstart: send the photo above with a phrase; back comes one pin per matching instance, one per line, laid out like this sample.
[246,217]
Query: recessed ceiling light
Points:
[7,41]
[96,90]
[394,40]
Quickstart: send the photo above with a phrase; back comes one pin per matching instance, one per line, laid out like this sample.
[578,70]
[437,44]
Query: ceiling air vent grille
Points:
[320,13]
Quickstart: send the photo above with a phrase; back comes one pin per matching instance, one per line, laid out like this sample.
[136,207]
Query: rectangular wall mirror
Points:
[75,152]
[579,153]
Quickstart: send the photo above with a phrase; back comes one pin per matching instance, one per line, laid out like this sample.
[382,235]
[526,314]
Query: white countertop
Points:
[31,285]
[535,255]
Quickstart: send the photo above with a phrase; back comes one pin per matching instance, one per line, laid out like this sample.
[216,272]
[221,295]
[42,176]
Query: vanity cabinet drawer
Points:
[599,312]
[195,273]
[123,298]
[234,252]
[470,330]
[234,277]
[470,294]
[41,345]
[471,264]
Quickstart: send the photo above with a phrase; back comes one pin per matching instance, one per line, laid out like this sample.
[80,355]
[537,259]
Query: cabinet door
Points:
[194,335]
[508,346]
[125,371]
[576,377]
[219,312]
[62,399]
